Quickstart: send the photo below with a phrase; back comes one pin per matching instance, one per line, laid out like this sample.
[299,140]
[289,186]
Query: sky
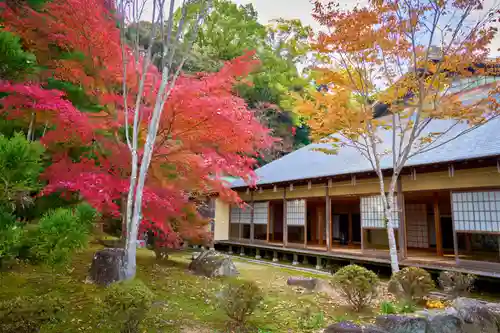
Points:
[301,9]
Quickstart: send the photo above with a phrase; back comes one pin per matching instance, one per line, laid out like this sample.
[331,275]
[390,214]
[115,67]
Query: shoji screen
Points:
[372,212]
[260,212]
[476,211]
[296,212]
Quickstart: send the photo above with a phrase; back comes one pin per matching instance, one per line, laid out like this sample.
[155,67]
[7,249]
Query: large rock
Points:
[350,327]
[213,264]
[477,316]
[344,327]
[446,323]
[402,324]
[107,266]
[306,283]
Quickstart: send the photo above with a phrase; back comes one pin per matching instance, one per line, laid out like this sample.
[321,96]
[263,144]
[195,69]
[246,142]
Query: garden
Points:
[115,129]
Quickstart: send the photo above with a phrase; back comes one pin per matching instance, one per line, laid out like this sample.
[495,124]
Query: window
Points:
[260,212]
[296,212]
[372,212]
[235,214]
[476,211]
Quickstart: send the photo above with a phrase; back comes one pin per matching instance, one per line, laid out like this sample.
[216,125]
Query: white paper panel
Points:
[235,214]
[476,211]
[260,212]
[372,212]
[246,214]
[296,212]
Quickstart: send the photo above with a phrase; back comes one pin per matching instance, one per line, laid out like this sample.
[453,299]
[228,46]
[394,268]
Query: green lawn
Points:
[184,302]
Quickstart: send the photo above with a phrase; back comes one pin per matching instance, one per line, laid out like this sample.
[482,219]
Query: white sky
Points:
[301,9]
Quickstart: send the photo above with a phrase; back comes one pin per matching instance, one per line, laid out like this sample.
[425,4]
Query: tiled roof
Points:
[307,163]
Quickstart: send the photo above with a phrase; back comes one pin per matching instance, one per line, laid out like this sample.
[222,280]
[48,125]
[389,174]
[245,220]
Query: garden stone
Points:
[446,323]
[350,327]
[306,283]
[402,324]
[344,327]
[477,316]
[213,264]
[107,266]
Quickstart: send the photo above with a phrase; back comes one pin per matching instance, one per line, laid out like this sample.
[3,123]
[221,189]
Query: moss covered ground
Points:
[184,302]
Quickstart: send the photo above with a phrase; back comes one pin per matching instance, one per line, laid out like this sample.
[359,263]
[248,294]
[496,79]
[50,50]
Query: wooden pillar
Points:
[269,215]
[285,226]
[328,220]
[468,243]
[350,228]
[402,221]
[455,237]
[321,224]
[252,230]
[437,226]
[362,238]
[240,226]
[305,224]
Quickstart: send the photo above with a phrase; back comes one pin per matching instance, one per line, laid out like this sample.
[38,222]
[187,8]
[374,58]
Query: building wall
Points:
[221,220]
[469,178]
[462,179]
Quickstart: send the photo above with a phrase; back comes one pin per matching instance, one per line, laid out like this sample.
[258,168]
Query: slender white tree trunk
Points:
[393,251]
[388,202]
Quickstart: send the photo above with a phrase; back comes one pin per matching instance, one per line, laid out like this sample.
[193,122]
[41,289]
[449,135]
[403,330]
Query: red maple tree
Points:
[206,131]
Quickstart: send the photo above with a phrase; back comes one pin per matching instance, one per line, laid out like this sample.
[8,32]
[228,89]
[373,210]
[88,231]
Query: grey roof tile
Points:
[306,163]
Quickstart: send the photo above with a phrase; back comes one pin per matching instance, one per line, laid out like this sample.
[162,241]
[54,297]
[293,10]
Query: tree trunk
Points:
[30,134]
[129,260]
[393,251]
[388,202]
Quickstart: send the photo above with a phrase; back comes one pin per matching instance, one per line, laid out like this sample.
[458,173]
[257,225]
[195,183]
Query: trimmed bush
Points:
[387,308]
[357,284]
[20,166]
[86,214]
[456,283]
[11,233]
[411,283]
[28,314]
[60,233]
[128,304]
[240,299]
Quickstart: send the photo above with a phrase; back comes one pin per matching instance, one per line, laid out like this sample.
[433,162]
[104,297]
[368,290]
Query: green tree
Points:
[228,32]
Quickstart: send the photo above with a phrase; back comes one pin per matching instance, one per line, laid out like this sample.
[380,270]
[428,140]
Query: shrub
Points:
[312,320]
[407,307]
[128,304]
[239,300]
[59,234]
[28,314]
[11,233]
[20,166]
[456,283]
[357,284]
[387,308]
[86,214]
[411,283]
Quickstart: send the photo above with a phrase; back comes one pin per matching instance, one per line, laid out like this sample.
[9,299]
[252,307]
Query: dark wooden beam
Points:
[437,226]
[328,220]
[350,228]
[305,225]
[252,230]
[285,226]
[403,251]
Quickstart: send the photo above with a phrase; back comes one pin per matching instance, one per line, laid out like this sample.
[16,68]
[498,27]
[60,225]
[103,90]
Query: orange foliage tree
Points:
[413,60]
